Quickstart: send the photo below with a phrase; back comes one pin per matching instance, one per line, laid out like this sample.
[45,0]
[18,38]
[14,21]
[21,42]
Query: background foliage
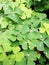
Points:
[24,32]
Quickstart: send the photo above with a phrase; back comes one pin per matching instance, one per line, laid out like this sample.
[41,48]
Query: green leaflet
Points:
[18,11]
[40,46]
[6,47]
[24,44]
[25,29]
[15,50]
[8,62]
[35,21]
[23,62]
[12,38]
[4,22]
[44,28]
[33,35]
[14,17]
[7,9]
[30,63]
[19,56]
[32,44]
[3,57]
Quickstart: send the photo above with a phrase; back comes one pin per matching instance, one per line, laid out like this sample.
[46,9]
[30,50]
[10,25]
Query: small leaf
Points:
[32,55]
[19,27]
[41,15]
[40,46]
[32,44]
[46,25]
[15,49]
[25,29]
[19,56]
[12,38]
[6,47]
[42,29]
[23,8]
[33,35]
[28,13]
[19,37]
[23,62]
[23,16]
[7,9]
[24,44]
[14,17]
[18,11]
[3,57]
[8,62]
[4,23]
[30,63]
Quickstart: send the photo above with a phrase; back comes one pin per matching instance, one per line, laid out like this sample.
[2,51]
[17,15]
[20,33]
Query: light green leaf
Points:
[8,62]
[6,47]
[40,46]
[19,27]
[41,15]
[23,62]
[24,44]
[33,35]
[18,11]
[15,49]
[19,37]
[35,21]
[25,29]
[4,23]
[30,63]
[42,29]
[28,13]
[19,57]
[11,56]
[23,16]
[12,38]
[14,17]
[32,55]
[32,44]
[46,25]
[7,9]
[3,57]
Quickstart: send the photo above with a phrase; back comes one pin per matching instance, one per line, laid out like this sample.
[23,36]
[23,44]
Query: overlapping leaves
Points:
[21,41]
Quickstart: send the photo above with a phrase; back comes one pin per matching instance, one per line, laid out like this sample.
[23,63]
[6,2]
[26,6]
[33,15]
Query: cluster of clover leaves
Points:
[24,34]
